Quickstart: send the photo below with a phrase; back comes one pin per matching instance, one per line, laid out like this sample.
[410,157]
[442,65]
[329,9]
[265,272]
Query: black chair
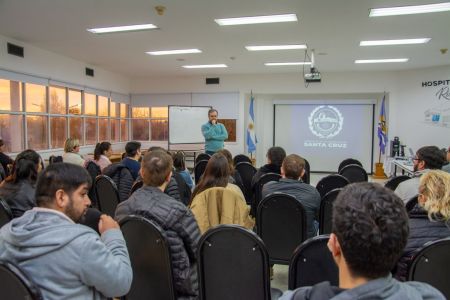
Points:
[107,195]
[150,259]
[307,176]
[430,265]
[354,173]
[16,285]
[246,171]
[348,161]
[281,224]
[2,173]
[202,156]
[199,169]
[326,210]
[233,264]
[241,158]
[93,170]
[395,181]
[5,213]
[312,263]
[183,188]
[258,190]
[411,203]
[137,185]
[330,183]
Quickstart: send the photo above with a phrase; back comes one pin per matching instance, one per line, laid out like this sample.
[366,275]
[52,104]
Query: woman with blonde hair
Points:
[430,219]
[71,152]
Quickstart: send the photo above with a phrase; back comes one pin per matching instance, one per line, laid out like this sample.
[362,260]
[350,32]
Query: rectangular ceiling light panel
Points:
[395,42]
[205,66]
[409,10]
[296,63]
[275,47]
[378,61]
[257,20]
[169,52]
[122,28]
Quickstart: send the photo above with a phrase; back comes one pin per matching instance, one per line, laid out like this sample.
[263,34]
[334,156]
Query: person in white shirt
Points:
[71,152]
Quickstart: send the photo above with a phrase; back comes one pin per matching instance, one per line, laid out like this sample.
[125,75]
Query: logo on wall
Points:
[443,92]
[325,121]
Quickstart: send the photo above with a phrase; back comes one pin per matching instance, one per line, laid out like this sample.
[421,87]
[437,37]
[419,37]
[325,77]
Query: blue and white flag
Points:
[382,128]
[251,137]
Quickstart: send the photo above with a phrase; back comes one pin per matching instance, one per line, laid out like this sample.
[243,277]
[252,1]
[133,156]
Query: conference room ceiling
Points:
[333,28]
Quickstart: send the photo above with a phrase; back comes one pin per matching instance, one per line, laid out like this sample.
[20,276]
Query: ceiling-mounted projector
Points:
[313,76]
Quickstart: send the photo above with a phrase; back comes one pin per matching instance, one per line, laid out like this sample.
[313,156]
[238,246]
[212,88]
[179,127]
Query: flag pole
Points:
[379,167]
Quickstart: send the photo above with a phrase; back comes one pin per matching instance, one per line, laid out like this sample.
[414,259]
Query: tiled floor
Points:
[280,272]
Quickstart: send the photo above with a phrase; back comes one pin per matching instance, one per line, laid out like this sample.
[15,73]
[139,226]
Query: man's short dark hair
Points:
[293,166]
[371,225]
[156,165]
[65,176]
[276,155]
[131,148]
[432,156]
[212,110]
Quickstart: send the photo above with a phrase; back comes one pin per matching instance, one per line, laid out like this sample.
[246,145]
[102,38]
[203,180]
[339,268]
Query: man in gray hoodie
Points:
[370,230]
[67,260]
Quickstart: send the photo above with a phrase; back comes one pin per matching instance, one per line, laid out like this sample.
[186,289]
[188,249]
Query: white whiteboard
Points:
[185,124]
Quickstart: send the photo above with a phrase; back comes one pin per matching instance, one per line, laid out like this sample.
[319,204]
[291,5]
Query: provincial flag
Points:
[382,128]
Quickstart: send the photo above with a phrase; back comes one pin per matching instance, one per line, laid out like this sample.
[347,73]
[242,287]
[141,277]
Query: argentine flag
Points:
[251,137]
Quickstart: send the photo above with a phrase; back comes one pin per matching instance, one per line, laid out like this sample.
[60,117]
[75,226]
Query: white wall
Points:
[406,99]
[39,62]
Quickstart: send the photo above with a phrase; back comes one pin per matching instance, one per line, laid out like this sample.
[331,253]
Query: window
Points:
[124,130]
[103,129]
[57,132]
[10,95]
[57,100]
[90,104]
[103,106]
[76,129]
[160,130]
[140,129]
[90,125]
[113,109]
[115,130]
[11,129]
[37,132]
[35,96]
[74,102]
[123,110]
[140,112]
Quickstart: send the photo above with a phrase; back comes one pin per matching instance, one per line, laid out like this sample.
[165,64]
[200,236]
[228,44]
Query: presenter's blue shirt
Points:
[214,136]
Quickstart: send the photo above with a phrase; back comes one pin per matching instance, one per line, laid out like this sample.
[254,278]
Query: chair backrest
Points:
[199,169]
[411,203]
[430,265]
[312,263]
[137,185]
[331,182]
[233,264]
[202,156]
[258,190]
[150,259]
[326,211]
[354,173]
[395,181]
[306,178]
[241,158]
[2,173]
[55,159]
[5,213]
[107,195]
[93,170]
[348,161]
[183,188]
[16,285]
[246,171]
[281,224]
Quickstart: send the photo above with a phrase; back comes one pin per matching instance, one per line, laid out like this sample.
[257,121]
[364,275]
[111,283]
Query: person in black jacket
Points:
[428,221]
[5,160]
[172,216]
[18,188]
[275,157]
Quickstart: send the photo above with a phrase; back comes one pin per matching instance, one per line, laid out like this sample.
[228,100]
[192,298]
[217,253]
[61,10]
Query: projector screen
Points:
[185,124]
[326,134]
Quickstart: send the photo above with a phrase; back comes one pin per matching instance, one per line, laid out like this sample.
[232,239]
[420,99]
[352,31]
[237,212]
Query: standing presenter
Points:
[214,133]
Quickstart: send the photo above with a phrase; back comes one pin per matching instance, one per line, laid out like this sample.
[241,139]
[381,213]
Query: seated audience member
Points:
[5,160]
[131,160]
[292,170]
[18,188]
[430,220]
[232,211]
[67,260]
[235,177]
[275,157]
[121,175]
[71,152]
[172,216]
[427,158]
[179,164]
[370,229]
[102,153]
[446,167]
